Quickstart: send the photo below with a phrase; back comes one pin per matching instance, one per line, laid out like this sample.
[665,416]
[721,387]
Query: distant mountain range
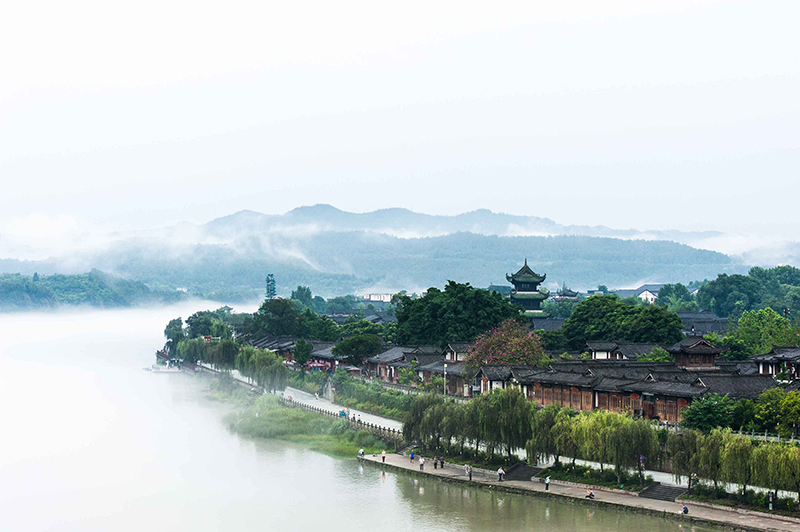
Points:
[337,252]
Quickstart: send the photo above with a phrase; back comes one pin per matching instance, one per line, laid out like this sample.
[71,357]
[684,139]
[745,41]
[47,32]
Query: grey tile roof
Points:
[390,355]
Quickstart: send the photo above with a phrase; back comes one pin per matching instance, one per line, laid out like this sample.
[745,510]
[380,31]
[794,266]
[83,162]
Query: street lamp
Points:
[445,378]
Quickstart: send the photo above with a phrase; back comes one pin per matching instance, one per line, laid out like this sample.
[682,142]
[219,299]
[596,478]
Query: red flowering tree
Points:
[507,343]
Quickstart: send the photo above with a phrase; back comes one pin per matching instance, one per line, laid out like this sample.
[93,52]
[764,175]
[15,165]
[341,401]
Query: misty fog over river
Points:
[92,442]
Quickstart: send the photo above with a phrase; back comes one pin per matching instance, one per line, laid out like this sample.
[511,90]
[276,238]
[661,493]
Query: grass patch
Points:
[267,418]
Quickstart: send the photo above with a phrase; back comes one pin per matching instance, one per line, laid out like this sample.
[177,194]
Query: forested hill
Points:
[97,289]
[334,263]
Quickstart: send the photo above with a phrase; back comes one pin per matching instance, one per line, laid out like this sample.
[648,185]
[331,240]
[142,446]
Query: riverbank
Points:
[617,499]
[267,418]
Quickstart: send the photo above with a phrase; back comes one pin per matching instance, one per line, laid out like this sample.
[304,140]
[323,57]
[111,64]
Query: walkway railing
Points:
[378,430]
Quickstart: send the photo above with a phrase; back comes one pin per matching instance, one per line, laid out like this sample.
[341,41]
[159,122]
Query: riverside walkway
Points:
[737,519]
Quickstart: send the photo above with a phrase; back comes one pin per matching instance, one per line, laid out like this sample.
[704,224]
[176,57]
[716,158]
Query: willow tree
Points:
[514,418]
[683,448]
[542,441]
[770,466]
[737,462]
[709,456]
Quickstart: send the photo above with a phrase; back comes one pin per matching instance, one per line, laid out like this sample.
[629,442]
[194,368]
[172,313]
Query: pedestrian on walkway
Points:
[547,483]
[359,419]
[421,463]
[500,473]
[469,470]
[441,463]
[435,462]
[383,457]
[466,469]
[412,455]
[685,509]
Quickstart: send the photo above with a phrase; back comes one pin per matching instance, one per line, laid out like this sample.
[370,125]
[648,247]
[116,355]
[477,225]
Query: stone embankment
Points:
[616,499]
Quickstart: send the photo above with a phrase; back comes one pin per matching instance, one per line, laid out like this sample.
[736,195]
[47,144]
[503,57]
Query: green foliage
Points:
[507,343]
[174,334]
[730,295]
[96,289]
[371,397]
[560,309]
[672,295]
[358,348]
[325,434]
[457,313]
[657,355]
[708,412]
[263,366]
[768,408]
[762,329]
[606,318]
[409,376]
[302,351]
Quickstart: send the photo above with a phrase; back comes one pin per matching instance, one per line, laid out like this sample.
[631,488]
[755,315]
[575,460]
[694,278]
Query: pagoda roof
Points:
[526,274]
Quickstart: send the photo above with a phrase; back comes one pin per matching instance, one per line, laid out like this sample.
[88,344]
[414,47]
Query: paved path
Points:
[741,518]
[300,396]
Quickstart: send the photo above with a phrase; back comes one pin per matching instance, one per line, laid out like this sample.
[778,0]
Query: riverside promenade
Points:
[624,501]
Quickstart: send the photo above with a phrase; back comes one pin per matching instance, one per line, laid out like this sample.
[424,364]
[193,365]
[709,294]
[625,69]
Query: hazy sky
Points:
[678,114]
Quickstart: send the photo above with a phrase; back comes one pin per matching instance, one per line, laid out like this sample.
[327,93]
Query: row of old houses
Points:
[610,375]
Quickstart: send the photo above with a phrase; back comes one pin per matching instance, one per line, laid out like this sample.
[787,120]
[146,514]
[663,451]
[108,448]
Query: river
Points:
[92,442]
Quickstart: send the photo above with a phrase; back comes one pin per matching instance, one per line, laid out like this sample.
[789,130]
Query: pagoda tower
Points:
[527,293]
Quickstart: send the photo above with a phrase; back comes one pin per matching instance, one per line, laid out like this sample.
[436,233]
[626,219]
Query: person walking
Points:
[469,471]
[547,483]
[412,455]
[435,462]
[466,469]
[500,473]
[441,463]
[421,463]
[383,457]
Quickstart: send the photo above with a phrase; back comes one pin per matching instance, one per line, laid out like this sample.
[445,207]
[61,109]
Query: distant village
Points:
[607,375]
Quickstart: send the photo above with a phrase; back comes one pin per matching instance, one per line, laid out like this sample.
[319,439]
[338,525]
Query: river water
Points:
[91,442]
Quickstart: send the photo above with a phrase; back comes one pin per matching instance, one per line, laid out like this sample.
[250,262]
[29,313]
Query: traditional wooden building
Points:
[781,359]
[654,390]
[527,293]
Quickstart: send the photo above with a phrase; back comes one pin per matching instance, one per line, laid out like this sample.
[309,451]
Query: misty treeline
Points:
[503,422]
[96,289]
[346,262]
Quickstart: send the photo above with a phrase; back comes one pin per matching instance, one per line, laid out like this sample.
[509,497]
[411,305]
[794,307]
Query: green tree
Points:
[670,294]
[683,448]
[709,456]
[708,412]
[657,355]
[762,329]
[737,462]
[768,408]
[790,413]
[514,418]
[607,318]
[730,295]
[278,317]
[303,295]
[457,313]
[199,323]
[542,444]
[175,334]
[302,352]
[358,348]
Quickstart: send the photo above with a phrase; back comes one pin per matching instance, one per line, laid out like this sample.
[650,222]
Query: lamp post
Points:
[445,378]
